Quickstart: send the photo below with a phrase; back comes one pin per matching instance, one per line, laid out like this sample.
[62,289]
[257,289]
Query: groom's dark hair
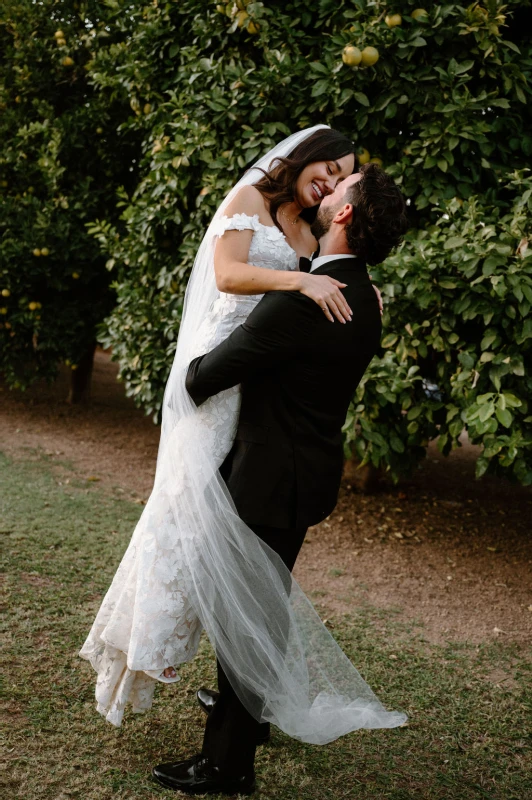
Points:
[379,215]
[278,185]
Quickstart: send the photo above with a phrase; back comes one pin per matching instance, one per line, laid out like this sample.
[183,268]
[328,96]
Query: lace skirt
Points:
[146,621]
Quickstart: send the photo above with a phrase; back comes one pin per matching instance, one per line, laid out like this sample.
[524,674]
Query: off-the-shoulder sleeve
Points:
[238,222]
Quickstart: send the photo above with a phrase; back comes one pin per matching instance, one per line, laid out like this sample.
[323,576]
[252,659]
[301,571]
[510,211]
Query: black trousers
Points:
[231,732]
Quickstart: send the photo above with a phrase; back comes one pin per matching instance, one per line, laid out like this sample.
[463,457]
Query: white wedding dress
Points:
[193,564]
[175,629]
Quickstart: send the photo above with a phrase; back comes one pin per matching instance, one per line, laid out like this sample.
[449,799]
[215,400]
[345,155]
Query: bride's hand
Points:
[325,291]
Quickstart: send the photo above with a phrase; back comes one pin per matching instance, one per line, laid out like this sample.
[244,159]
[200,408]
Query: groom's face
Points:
[332,205]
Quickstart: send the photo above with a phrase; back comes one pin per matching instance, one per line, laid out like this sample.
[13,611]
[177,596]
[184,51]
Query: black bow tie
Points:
[306,263]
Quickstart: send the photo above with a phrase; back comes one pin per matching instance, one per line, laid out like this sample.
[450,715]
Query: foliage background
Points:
[60,164]
[202,89]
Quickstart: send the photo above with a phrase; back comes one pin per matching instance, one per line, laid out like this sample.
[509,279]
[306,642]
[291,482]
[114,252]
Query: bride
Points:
[192,563]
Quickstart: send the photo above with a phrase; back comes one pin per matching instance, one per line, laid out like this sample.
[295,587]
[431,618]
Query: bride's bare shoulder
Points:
[248,200]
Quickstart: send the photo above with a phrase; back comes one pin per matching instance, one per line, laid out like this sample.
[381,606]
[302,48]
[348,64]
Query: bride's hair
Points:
[278,185]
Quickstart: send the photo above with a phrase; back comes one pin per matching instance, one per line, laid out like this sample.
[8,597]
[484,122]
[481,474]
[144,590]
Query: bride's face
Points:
[319,179]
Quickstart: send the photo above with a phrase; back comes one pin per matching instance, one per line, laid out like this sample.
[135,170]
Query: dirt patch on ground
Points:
[443,550]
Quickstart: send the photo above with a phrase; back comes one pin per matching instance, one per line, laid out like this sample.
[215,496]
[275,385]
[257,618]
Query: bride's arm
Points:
[235,276]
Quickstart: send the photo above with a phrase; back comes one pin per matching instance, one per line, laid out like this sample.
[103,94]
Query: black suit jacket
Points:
[298,373]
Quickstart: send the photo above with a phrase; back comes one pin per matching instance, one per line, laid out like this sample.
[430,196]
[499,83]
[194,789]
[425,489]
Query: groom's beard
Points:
[322,223]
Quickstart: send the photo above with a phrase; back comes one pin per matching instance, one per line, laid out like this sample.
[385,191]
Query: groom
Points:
[298,373]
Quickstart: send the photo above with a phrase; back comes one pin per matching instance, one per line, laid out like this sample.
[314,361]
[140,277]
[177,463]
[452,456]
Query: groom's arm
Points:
[275,331]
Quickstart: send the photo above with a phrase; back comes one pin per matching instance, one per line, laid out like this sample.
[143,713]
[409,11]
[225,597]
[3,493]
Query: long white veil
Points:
[193,563]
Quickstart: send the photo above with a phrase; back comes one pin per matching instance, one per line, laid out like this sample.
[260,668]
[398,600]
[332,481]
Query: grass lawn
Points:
[63,536]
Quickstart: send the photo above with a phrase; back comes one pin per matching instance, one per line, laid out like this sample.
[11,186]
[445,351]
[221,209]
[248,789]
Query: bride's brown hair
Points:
[278,185]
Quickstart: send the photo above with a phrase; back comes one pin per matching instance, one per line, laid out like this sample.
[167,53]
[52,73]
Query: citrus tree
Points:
[439,95]
[58,170]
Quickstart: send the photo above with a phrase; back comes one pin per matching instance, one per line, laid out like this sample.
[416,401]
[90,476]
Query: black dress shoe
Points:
[208,697]
[196,776]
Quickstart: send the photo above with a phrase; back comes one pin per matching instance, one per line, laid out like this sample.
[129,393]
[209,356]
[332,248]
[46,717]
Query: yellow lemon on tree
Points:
[393,19]
[36,252]
[370,56]
[75,275]
[351,56]
[33,306]
[67,61]
[241,18]
[61,42]
[45,251]
[3,310]
[376,160]
[59,35]
[147,108]
[99,131]
[253,28]
[363,155]
[420,15]
[6,293]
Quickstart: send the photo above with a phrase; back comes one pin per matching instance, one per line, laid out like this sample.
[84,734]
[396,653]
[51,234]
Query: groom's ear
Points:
[344,215]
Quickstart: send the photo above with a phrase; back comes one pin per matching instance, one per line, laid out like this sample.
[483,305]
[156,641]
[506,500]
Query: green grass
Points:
[467,705]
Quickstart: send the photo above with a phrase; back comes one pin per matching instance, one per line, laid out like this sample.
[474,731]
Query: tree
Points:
[58,170]
[442,100]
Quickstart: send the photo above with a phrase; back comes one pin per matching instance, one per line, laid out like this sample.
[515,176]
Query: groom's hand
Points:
[379,297]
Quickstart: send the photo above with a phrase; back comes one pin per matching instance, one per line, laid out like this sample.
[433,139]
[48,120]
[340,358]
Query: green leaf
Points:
[448,284]
[396,444]
[512,401]
[453,241]
[320,87]
[481,466]
[511,45]
[488,339]
[361,98]
[486,411]
[389,340]
[500,102]
[504,416]
[464,66]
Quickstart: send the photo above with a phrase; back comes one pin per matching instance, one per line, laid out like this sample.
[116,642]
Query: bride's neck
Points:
[290,210]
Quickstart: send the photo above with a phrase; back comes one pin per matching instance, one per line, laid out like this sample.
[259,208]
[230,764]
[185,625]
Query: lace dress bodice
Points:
[218,416]
[268,249]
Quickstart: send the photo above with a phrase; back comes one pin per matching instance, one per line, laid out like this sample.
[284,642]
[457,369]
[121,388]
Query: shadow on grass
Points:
[467,705]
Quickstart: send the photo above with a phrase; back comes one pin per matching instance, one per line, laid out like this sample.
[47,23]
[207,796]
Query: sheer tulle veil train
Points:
[193,564]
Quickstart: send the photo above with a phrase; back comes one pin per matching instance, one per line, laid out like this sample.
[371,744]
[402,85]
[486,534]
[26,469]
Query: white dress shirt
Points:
[319,260]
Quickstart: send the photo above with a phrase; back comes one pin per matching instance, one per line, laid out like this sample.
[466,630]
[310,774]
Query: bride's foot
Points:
[169,672]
